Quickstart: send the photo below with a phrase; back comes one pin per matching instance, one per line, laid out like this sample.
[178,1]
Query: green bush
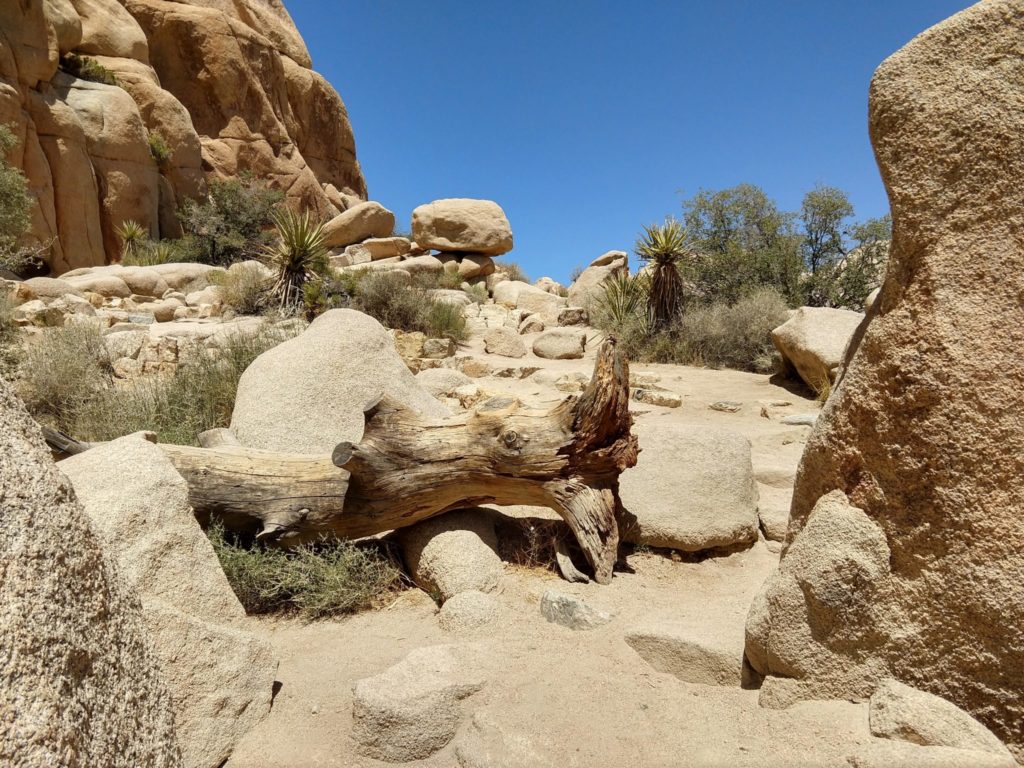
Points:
[150,253]
[85,68]
[159,149]
[326,292]
[396,302]
[328,579]
[232,224]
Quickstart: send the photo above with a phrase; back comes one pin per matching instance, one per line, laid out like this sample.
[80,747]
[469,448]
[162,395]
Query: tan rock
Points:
[119,713]
[109,30]
[359,223]
[812,342]
[589,286]
[462,225]
[504,342]
[922,432]
[560,344]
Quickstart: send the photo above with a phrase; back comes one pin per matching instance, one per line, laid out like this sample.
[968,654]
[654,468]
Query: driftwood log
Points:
[408,468]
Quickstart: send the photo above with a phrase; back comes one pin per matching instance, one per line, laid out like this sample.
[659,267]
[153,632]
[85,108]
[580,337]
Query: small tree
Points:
[231,224]
[298,256]
[663,246]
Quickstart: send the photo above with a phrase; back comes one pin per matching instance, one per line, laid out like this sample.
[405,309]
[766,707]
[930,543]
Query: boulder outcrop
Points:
[227,86]
[589,286]
[813,341]
[79,682]
[924,432]
[462,225]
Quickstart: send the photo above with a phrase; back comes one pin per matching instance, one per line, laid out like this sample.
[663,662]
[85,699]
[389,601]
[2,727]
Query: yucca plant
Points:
[663,246]
[624,299]
[298,256]
[134,238]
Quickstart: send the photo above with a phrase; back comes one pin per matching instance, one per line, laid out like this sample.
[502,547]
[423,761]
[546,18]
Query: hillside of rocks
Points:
[228,86]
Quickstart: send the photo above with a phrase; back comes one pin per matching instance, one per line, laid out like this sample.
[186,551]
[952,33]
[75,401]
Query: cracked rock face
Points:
[924,429]
[227,86]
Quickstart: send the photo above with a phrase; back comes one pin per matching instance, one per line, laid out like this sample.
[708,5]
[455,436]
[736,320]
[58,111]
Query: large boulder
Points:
[221,676]
[79,683]
[923,432]
[560,344]
[462,225]
[590,285]
[812,342]
[452,553]
[309,393]
[360,222]
[692,489]
[504,341]
[412,709]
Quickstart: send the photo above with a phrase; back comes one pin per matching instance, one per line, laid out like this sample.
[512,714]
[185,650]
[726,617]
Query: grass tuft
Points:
[314,581]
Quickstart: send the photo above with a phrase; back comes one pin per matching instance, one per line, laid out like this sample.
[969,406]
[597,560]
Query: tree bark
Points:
[408,468]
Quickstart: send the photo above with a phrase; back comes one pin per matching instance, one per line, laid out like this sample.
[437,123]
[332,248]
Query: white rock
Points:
[413,709]
[560,344]
[467,611]
[692,489]
[505,342]
[571,612]
[308,394]
[453,553]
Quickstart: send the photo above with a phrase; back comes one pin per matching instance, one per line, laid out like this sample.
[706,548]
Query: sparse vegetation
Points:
[513,270]
[134,239]
[160,149]
[246,289]
[232,224]
[85,68]
[15,208]
[398,302]
[297,257]
[66,381]
[10,351]
[314,581]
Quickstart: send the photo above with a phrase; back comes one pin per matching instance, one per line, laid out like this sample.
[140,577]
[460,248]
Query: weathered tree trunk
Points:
[408,468]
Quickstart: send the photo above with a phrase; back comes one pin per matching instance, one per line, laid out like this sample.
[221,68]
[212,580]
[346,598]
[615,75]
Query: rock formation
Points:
[227,85]
[924,431]
[79,684]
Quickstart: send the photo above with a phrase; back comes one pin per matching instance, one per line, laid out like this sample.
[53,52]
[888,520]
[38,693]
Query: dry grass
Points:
[314,581]
[407,306]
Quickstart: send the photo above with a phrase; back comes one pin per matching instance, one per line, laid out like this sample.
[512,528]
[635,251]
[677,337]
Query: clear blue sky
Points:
[586,119]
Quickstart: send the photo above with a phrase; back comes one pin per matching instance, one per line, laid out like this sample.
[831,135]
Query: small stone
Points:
[571,612]
[726,406]
[661,397]
[467,610]
[572,316]
[801,420]
[505,342]
[438,349]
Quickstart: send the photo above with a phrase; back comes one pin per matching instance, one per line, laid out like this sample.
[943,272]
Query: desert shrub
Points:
[159,149]
[85,68]
[232,223]
[513,270]
[245,289]
[327,291]
[62,372]
[155,252]
[315,581]
[396,302]
[298,256]
[733,336]
[199,396]
[576,274]
[623,301]
[451,281]
[15,208]
[10,351]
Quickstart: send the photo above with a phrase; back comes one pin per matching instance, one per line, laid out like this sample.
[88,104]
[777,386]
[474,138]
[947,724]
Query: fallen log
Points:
[408,468]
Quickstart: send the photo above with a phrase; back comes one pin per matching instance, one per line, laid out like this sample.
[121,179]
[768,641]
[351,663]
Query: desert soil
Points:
[582,698]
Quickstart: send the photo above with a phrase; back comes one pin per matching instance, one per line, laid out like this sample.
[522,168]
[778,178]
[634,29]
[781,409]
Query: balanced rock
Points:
[812,342]
[463,225]
[80,683]
[309,393]
[924,431]
[692,489]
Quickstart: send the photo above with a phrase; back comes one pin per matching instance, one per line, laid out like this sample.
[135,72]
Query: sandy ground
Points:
[582,698]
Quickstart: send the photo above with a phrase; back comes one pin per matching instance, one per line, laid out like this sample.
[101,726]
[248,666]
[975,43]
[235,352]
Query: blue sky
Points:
[587,119]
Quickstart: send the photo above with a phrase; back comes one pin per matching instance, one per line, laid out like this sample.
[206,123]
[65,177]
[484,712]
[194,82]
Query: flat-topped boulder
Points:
[359,223]
[464,225]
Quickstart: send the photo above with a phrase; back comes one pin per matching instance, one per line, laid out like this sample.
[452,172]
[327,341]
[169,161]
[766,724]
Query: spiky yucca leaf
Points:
[663,246]
[624,299]
[133,237]
[298,256]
